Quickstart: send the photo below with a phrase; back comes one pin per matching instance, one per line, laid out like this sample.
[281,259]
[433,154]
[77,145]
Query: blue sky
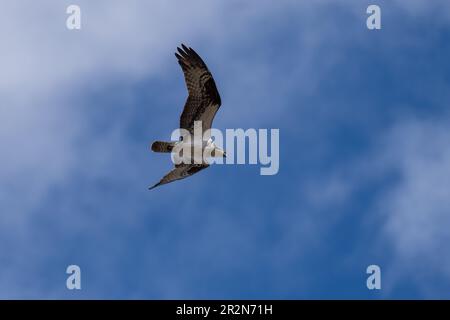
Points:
[364,153]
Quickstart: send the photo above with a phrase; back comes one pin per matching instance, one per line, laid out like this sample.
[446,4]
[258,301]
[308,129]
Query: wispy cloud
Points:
[79,108]
[417,207]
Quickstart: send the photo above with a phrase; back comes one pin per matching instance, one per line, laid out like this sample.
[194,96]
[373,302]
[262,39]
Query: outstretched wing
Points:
[204,99]
[180,172]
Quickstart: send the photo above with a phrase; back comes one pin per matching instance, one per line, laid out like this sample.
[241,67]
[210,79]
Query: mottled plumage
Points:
[180,171]
[204,99]
[201,105]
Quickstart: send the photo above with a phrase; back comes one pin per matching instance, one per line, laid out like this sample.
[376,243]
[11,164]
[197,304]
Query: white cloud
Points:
[417,208]
[46,137]
[45,68]
[411,210]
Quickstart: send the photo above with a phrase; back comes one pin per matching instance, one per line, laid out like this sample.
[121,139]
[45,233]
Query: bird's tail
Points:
[161,146]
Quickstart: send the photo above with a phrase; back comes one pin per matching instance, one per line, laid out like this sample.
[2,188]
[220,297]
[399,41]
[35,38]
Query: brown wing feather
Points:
[180,172]
[204,99]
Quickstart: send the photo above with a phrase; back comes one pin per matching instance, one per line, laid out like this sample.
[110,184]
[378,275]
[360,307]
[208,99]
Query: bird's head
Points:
[219,152]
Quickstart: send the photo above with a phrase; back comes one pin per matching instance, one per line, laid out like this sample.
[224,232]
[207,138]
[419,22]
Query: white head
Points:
[219,152]
[216,151]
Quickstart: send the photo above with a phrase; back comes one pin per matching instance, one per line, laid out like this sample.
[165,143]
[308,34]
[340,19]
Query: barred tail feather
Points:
[161,146]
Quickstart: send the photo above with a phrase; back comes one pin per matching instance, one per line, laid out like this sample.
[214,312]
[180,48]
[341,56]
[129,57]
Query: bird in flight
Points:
[201,106]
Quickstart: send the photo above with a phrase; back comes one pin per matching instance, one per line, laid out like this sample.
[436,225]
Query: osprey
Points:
[201,106]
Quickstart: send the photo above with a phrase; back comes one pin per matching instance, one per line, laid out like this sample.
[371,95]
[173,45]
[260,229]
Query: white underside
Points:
[198,155]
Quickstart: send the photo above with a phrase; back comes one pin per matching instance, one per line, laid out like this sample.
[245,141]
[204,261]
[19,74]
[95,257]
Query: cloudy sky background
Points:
[364,150]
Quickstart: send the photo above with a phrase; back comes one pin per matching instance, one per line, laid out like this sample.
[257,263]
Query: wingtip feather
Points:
[154,186]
